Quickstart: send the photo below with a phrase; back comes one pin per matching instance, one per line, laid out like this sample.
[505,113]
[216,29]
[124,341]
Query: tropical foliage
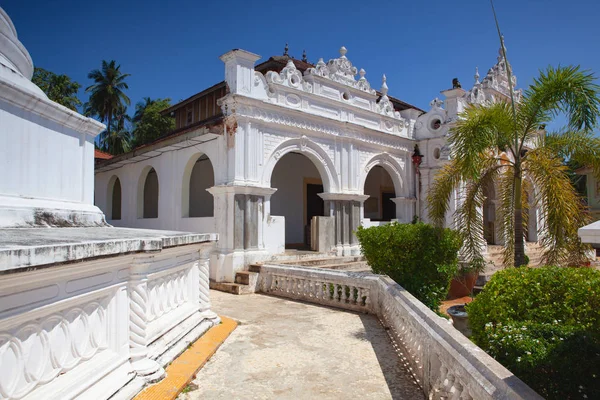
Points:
[419,257]
[504,144]
[117,139]
[543,324]
[107,94]
[58,88]
[150,124]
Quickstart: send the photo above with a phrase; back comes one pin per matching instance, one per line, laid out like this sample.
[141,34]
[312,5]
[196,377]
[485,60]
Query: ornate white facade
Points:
[329,114]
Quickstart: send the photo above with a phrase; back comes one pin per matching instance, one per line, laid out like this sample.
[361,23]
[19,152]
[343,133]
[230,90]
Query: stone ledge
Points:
[30,247]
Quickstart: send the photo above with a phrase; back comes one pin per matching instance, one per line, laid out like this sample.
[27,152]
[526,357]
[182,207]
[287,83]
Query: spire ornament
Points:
[476,75]
[286,49]
[304,56]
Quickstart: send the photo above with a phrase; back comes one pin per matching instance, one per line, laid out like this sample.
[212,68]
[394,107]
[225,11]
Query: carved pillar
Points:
[404,208]
[345,208]
[148,369]
[204,290]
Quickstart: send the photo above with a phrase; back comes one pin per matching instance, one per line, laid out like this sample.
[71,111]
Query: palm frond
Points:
[562,209]
[440,193]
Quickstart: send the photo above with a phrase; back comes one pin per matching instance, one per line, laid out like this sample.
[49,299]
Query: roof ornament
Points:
[456,84]
[362,83]
[285,51]
[476,75]
[384,105]
[304,56]
[384,87]
[343,52]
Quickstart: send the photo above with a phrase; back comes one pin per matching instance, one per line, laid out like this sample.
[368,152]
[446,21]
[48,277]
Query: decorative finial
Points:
[285,51]
[362,73]
[384,87]
[476,75]
[343,51]
[304,56]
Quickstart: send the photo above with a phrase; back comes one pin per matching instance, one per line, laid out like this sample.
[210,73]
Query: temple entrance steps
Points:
[246,282]
[323,261]
[494,258]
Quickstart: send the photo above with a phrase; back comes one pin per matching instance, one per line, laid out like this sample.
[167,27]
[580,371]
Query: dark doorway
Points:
[388,207]
[315,206]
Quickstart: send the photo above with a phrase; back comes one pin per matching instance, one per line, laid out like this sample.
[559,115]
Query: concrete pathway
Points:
[284,349]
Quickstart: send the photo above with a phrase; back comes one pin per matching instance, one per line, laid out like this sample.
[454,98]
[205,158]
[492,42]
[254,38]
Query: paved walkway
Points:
[291,350]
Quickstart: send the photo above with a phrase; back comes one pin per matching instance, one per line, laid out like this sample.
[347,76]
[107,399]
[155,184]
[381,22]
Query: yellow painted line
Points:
[184,368]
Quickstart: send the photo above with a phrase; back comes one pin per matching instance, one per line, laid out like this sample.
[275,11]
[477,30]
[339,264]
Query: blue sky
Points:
[172,49]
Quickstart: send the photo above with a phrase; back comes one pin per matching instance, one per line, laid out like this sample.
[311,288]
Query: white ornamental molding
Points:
[289,76]
[384,105]
[260,114]
[342,71]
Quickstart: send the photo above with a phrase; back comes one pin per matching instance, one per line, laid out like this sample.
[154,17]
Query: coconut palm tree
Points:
[107,93]
[117,139]
[505,144]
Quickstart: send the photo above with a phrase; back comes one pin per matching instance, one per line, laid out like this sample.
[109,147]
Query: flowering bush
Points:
[543,324]
[421,258]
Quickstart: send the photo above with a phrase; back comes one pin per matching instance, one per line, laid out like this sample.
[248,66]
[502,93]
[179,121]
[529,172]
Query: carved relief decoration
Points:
[38,351]
[166,294]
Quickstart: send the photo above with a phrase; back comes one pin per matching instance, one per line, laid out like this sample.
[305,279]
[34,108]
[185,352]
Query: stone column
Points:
[146,368]
[405,209]
[239,219]
[345,208]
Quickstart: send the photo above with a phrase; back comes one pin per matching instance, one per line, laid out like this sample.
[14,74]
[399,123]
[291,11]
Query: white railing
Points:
[350,291]
[84,330]
[444,362]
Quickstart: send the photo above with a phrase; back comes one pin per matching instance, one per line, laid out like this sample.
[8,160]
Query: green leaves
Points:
[419,257]
[58,88]
[541,324]
[150,124]
[488,136]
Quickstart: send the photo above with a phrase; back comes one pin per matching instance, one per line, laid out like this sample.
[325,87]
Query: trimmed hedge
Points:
[543,324]
[421,258]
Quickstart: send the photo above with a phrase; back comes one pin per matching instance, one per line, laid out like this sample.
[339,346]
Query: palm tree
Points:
[117,139]
[505,144]
[106,94]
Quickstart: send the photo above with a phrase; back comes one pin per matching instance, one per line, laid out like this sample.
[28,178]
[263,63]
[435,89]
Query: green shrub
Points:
[543,324]
[419,257]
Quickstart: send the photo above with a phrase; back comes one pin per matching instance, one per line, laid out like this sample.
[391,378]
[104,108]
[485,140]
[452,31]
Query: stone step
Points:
[296,255]
[349,266]
[247,278]
[324,261]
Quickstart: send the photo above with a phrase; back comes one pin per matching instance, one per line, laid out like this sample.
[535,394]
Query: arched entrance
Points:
[380,189]
[298,184]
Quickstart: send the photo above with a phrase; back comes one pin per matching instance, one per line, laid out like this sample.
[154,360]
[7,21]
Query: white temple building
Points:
[286,154]
[87,310]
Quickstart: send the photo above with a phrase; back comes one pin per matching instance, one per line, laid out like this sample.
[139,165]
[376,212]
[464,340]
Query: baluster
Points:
[367,297]
[343,297]
[353,293]
[359,296]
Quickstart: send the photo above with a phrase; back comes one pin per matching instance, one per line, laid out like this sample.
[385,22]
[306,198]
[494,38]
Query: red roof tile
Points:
[102,155]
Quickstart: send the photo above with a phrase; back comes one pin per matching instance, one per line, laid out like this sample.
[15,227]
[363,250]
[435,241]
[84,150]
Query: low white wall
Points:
[86,330]
[275,235]
[444,362]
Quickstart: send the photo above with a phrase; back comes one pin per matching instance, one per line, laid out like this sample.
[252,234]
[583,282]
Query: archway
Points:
[148,204]
[114,199]
[298,183]
[379,186]
[198,176]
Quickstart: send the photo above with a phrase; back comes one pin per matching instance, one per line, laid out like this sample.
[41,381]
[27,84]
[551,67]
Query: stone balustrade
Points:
[350,291]
[104,326]
[444,362]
